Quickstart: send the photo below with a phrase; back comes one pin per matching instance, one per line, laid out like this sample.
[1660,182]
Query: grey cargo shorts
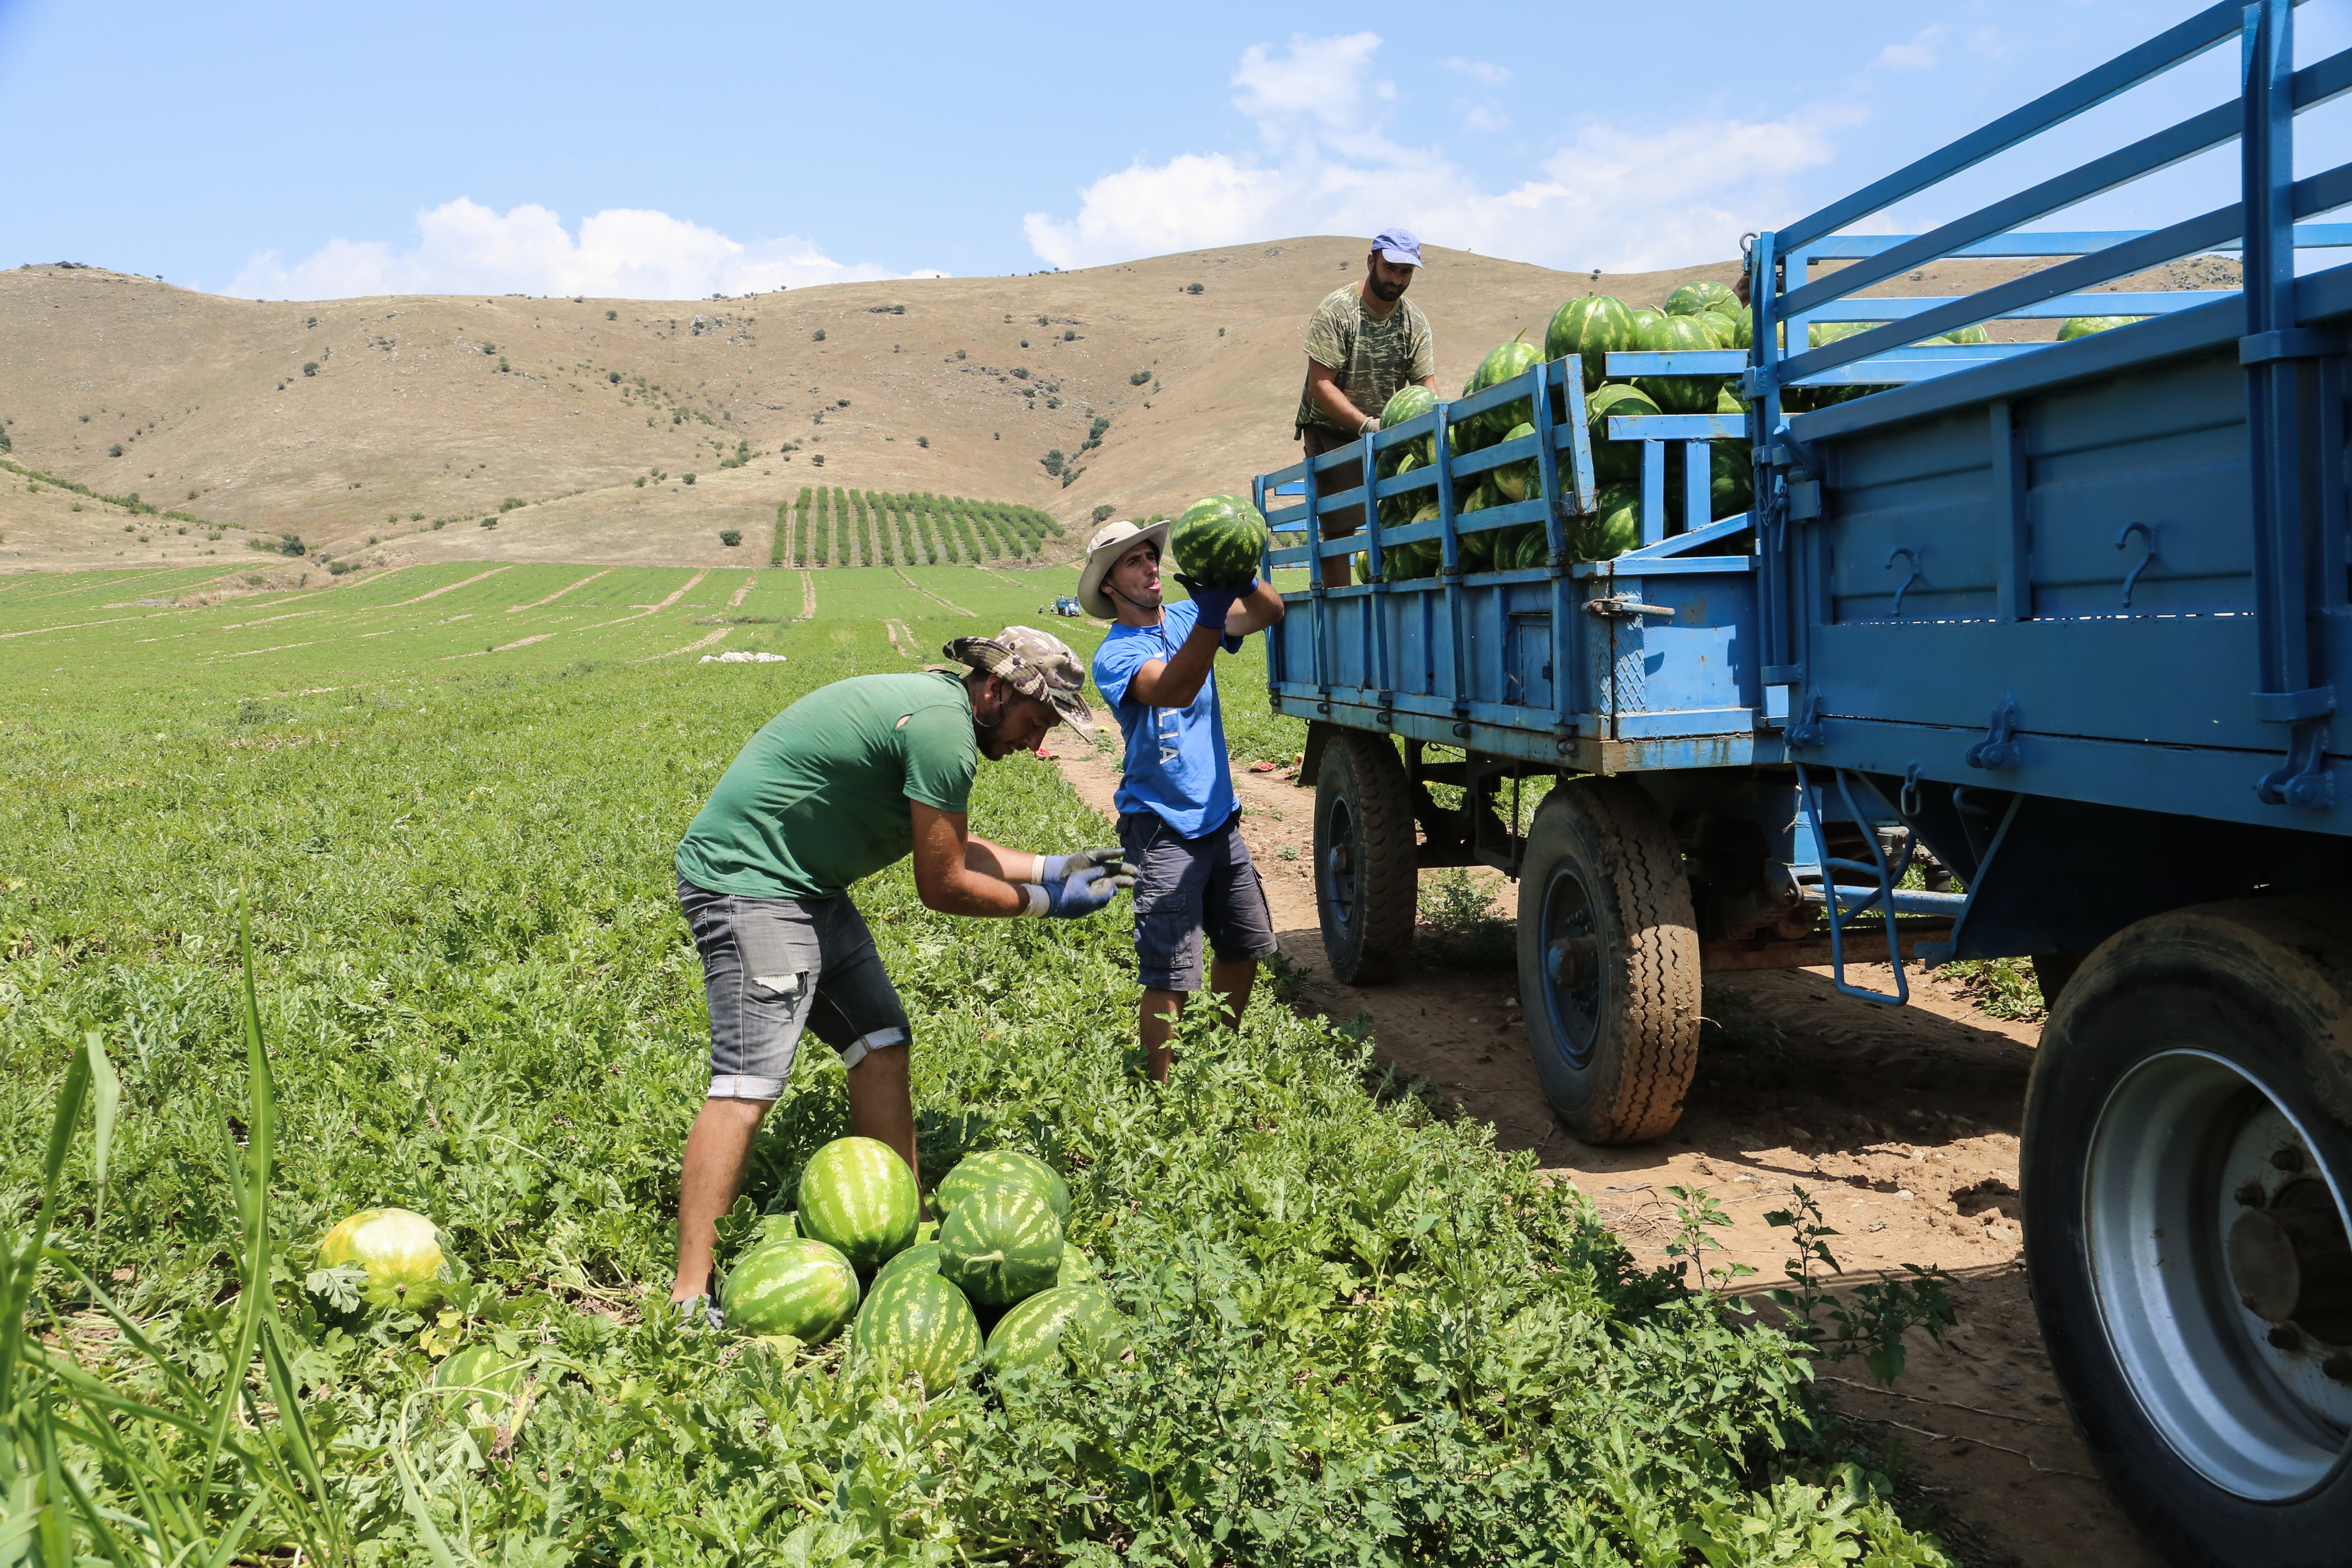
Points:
[772,967]
[1186,887]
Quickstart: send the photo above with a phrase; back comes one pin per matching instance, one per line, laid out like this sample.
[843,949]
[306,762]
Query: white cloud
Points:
[1483,118]
[1625,197]
[1920,54]
[464,248]
[1482,70]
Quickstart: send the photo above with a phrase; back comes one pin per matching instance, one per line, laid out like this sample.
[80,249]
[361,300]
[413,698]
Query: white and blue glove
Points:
[1074,885]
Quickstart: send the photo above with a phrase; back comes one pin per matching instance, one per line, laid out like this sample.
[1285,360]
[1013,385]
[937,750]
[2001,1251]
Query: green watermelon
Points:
[400,1249]
[1825,333]
[1514,358]
[1678,393]
[1614,529]
[1693,297]
[1397,510]
[1592,327]
[797,1286]
[1974,333]
[857,1196]
[778,1228]
[1219,540]
[993,1167]
[1518,481]
[1732,482]
[1410,402]
[1614,461]
[484,1373]
[923,1258]
[1522,547]
[1642,316]
[919,1324]
[1001,1244]
[1076,1268]
[2083,326]
[1032,1334]
[1722,327]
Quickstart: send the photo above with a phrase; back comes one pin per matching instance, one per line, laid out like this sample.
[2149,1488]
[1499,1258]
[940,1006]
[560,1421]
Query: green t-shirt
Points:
[1369,358]
[819,797]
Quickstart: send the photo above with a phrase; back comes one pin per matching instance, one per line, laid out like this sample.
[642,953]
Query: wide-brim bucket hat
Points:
[1110,541]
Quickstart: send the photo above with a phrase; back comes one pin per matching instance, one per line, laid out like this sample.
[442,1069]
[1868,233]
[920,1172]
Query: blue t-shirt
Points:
[1176,763]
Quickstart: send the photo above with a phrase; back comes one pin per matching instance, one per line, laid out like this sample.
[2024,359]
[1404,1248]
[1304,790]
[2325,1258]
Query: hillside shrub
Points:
[115,450]
[817,336]
[489,348]
[310,367]
[1139,378]
[613,376]
[731,537]
[689,479]
[1192,288]
[1102,513]
[922,441]
[611,315]
[511,503]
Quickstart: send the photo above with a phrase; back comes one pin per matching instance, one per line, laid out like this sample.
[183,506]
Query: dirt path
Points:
[808,596]
[1901,1122]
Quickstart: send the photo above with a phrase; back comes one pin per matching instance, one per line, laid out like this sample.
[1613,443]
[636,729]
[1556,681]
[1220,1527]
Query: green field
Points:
[1356,1333]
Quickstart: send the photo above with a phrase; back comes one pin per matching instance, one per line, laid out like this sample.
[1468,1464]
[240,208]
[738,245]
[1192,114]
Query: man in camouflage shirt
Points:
[1364,342]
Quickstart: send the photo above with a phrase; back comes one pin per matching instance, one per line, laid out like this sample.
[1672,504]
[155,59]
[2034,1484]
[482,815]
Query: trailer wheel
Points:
[1367,876]
[1608,967]
[2186,1160]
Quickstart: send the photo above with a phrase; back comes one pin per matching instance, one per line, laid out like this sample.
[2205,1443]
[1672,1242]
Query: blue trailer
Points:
[2067,621]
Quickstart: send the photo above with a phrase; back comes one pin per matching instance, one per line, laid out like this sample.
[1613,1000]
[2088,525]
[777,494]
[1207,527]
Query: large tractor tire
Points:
[1609,968]
[1367,872]
[2185,1162]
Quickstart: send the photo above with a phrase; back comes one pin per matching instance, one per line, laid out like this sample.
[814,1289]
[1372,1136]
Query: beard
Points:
[1387,293]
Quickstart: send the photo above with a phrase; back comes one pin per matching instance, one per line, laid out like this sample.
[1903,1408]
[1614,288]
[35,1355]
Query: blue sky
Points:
[313,152]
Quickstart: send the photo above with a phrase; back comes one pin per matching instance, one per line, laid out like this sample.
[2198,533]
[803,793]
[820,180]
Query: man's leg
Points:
[1169,879]
[760,961]
[882,1102]
[1316,441]
[1156,1024]
[717,1151]
[1233,979]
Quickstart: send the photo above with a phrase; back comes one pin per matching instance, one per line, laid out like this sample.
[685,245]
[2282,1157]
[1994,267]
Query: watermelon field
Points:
[1346,1329]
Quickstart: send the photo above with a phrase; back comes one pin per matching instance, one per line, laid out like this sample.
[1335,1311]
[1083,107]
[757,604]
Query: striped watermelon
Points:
[923,1258]
[1518,481]
[400,1249]
[1679,393]
[994,1167]
[797,1286]
[778,1228]
[1731,480]
[1410,402]
[1001,1244]
[858,1196]
[1614,461]
[1614,529]
[1514,358]
[1592,326]
[1693,297]
[919,1323]
[1032,1334]
[1219,540]
[1725,329]
[484,1373]
[2083,326]
[1076,1268]
[1643,317]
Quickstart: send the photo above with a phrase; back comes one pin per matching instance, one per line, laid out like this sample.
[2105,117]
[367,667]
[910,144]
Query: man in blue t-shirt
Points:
[1179,821]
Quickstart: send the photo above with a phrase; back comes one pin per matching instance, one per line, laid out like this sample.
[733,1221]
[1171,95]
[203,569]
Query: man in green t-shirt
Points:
[854,777]
[1365,342]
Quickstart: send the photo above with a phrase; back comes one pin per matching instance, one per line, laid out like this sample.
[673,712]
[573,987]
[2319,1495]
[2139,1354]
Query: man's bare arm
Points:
[1254,611]
[945,879]
[1322,386]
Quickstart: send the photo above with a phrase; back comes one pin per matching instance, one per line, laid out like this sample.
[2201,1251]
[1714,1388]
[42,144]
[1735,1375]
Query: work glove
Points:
[1370,425]
[1053,868]
[1233,642]
[1215,604]
[1082,892]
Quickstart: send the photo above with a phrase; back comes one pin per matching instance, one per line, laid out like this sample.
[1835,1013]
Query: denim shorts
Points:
[773,966]
[1186,887]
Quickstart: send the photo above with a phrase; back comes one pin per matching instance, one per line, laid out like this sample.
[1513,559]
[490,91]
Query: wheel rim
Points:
[2218,1262]
[1340,853]
[1572,966]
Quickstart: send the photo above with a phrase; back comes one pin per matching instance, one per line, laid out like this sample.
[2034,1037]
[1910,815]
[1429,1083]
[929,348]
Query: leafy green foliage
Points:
[1353,1333]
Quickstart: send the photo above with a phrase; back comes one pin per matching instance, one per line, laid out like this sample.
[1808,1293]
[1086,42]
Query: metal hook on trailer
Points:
[2147,537]
[1903,554]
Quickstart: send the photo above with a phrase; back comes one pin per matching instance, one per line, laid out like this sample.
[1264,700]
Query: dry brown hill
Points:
[357,420]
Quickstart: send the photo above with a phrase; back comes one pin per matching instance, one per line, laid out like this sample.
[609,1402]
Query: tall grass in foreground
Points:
[209,1466]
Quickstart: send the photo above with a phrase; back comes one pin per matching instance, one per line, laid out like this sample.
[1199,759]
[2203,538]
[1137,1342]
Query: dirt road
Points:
[1902,1122]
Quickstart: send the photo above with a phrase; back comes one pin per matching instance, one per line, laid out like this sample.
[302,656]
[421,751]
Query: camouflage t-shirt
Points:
[1369,358]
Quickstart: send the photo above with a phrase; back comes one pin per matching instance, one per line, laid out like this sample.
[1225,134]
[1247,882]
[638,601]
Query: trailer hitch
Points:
[1626,606]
